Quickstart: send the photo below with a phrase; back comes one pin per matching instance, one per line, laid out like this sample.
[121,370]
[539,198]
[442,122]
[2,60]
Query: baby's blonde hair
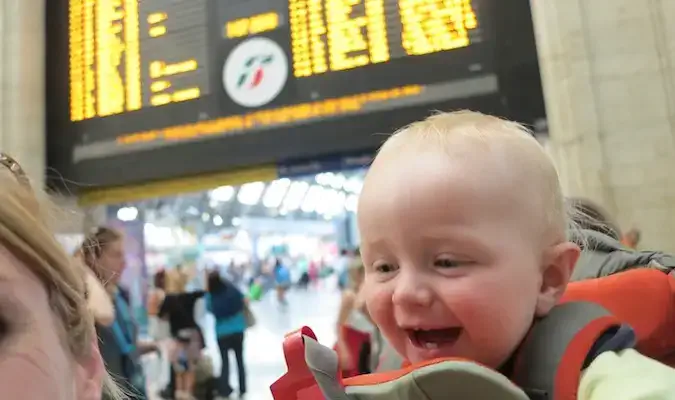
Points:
[25,232]
[502,140]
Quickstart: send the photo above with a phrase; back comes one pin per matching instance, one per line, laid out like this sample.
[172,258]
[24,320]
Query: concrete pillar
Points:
[22,79]
[608,69]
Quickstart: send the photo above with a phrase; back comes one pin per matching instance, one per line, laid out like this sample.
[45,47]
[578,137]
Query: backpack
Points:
[227,303]
[548,365]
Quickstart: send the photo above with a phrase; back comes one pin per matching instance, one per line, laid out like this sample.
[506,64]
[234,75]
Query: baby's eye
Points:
[447,263]
[385,268]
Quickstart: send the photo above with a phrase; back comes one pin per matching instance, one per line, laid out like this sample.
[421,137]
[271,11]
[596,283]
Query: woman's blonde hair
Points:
[25,231]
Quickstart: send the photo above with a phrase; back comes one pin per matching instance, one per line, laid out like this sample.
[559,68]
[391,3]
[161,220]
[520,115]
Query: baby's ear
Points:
[559,261]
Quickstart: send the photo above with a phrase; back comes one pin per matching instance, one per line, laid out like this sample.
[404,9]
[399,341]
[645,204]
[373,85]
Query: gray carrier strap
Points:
[447,380]
[542,352]
[323,364]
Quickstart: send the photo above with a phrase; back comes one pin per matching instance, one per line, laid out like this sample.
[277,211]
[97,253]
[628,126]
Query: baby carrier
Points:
[635,308]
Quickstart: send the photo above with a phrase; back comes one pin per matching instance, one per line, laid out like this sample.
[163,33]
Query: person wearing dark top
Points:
[178,309]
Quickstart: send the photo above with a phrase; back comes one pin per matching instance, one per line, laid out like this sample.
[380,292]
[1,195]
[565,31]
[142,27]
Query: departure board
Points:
[161,88]
[125,55]
[336,35]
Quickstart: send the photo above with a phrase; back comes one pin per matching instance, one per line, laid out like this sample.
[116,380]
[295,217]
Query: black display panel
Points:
[156,89]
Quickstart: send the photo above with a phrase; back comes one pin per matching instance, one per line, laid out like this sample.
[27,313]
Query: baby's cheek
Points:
[378,301]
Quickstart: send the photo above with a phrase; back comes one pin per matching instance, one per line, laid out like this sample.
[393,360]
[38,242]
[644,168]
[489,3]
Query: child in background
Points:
[463,231]
[282,280]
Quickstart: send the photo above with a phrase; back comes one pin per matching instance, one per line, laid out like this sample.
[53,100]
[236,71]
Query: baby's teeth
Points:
[430,345]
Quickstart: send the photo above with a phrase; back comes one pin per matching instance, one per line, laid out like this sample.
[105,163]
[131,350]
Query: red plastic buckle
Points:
[298,383]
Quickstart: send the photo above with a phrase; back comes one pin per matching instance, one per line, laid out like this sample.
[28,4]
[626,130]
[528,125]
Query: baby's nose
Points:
[412,292]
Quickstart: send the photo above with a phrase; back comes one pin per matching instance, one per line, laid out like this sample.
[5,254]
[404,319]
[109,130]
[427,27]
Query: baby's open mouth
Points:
[434,338]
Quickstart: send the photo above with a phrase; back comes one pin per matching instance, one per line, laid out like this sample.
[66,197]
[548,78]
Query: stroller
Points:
[205,381]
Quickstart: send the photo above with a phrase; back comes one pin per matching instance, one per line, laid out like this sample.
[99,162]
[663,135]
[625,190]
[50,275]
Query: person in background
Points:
[342,269]
[603,254]
[313,272]
[100,304]
[155,299]
[50,350]
[255,290]
[632,238]
[282,279]
[357,339]
[159,330]
[178,309]
[103,252]
[227,304]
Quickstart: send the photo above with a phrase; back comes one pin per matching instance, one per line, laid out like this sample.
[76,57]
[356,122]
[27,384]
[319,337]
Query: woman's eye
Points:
[447,263]
[4,329]
[385,268]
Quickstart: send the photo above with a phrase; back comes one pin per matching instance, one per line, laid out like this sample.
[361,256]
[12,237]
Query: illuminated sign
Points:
[251,25]
[128,54]
[269,118]
[336,35]
[255,72]
[161,89]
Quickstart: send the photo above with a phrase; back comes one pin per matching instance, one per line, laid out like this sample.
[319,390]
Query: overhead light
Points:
[236,221]
[127,214]
[337,181]
[206,217]
[324,178]
[218,220]
[295,195]
[192,211]
[337,204]
[222,194]
[323,204]
[275,193]
[311,201]
[250,193]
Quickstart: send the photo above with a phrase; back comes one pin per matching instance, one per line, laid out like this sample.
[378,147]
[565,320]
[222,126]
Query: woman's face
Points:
[34,361]
[112,262]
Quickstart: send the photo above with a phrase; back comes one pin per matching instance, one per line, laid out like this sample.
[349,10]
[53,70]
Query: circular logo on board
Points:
[255,72]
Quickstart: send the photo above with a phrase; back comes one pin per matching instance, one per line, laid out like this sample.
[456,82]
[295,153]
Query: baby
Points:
[463,231]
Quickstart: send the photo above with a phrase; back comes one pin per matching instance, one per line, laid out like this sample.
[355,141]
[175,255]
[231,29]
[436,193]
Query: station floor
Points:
[316,307]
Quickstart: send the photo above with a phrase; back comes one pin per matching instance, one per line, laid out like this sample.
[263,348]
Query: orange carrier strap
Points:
[643,298]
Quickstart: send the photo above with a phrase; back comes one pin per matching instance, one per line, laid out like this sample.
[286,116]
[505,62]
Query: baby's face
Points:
[453,264]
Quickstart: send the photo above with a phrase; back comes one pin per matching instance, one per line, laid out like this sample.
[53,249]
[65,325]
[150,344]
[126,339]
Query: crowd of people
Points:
[467,248]
[172,325]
